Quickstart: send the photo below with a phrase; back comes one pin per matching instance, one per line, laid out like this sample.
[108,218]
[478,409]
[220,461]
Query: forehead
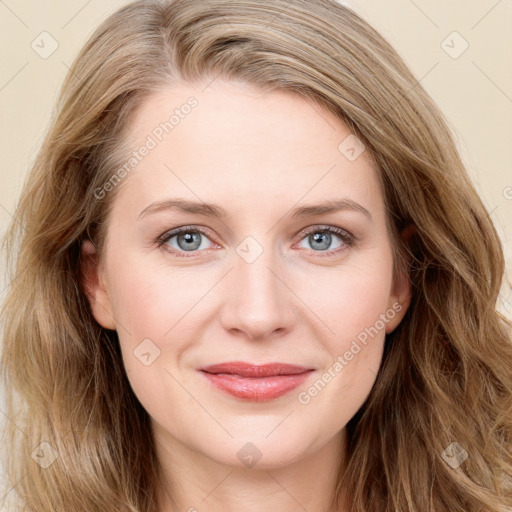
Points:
[231,142]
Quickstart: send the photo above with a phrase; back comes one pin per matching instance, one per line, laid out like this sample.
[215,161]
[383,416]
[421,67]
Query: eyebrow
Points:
[214,210]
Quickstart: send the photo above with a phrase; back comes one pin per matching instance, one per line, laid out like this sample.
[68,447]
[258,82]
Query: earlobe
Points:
[94,286]
[400,298]
[399,302]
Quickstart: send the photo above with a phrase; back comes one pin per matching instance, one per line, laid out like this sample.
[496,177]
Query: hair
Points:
[446,373]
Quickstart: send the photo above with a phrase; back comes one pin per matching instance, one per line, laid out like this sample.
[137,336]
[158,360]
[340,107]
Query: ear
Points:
[401,292]
[94,286]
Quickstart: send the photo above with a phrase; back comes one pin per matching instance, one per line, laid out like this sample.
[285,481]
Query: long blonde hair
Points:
[446,374]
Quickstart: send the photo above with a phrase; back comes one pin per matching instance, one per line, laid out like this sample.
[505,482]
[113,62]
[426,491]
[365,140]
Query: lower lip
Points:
[256,389]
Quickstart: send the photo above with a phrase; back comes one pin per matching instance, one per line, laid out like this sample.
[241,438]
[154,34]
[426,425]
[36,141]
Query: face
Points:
[258,277]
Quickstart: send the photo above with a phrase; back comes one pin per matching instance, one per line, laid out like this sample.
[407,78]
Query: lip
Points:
[256,382]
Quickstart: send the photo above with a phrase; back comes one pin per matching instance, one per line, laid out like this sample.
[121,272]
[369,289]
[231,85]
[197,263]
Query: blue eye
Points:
[321,238]
[190,239]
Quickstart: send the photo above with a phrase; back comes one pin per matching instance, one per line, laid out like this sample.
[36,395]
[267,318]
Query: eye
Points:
[320,239]
[185,239]
[190,239]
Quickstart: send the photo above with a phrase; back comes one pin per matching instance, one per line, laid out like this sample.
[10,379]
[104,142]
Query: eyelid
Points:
[343,233]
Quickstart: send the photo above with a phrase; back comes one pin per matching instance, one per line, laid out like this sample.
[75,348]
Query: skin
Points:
[259,155]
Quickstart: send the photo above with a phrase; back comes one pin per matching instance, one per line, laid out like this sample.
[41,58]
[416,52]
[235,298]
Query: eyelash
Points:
[347,238]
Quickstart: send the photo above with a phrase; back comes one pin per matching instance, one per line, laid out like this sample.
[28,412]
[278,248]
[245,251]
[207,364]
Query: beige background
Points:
[474,90]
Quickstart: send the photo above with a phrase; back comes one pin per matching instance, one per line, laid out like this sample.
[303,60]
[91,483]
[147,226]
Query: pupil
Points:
[191,239]
[318,237]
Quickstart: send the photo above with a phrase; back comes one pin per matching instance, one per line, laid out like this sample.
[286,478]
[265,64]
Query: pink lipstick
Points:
[256,382]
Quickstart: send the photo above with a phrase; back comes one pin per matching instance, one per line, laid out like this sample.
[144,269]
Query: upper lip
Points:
[253,370]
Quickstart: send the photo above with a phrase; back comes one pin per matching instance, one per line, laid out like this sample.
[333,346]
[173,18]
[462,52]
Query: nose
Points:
[261,304]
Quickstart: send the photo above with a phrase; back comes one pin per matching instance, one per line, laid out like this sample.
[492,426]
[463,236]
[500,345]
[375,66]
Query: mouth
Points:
[256,383]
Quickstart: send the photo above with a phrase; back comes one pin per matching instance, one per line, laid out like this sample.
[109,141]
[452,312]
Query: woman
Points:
[253,273]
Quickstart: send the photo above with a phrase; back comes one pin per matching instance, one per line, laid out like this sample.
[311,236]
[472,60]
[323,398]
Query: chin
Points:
[258,452]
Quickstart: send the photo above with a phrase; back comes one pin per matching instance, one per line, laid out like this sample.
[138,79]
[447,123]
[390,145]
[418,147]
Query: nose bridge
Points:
[260,302]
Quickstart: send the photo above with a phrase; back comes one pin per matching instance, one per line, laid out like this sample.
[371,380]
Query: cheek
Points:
[353,304]
[148,299]
[149,309]
[355,354]
[349,299]
[151,306]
